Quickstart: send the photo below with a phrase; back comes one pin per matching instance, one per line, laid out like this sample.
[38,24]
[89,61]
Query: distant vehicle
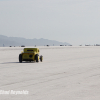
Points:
[22,45]
[97,45]
[30,54]
[69,45]
[61,45]
[87,45]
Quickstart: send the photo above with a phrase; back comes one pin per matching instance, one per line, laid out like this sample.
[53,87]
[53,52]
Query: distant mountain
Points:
[18,41]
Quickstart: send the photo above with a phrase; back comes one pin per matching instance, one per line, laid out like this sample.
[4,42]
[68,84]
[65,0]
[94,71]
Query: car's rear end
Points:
[28,57]
[29,54]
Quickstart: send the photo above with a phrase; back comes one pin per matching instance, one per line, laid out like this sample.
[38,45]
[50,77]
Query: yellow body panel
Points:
[31,50]
[28,54]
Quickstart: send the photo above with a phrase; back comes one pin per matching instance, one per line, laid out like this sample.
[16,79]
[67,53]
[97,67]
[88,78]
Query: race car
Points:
[30,54]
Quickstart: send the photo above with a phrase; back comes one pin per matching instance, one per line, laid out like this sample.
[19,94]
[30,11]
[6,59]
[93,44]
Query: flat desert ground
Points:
[66,73]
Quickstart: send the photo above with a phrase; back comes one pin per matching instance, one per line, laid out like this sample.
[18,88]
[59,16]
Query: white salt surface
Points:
[66,73]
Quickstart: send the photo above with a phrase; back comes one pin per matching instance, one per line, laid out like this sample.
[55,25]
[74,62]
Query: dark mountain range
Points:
[17,41]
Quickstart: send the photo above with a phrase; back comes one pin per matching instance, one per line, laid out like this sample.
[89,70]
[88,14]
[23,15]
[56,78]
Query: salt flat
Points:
[66,73]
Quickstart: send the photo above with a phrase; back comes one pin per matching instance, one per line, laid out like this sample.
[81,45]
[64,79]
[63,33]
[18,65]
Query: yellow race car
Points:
[30,54]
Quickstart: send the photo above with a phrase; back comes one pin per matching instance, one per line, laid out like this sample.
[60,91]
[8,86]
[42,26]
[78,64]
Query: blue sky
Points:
[73,21]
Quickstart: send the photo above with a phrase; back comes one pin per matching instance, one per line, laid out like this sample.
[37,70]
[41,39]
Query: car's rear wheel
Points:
[20,58]
[41,58]
[36,58]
